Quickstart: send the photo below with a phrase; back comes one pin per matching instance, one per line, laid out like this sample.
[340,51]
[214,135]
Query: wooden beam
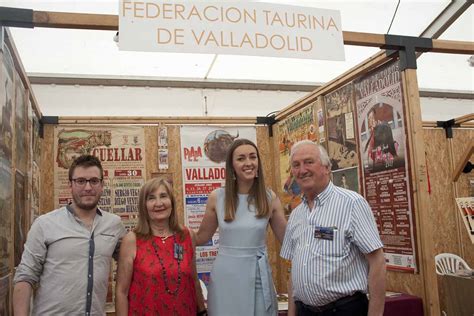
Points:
[363,39]
[452,47]
[464,118]
[465,157]
[433,124]
[67,20]
[154,120]
[110,22]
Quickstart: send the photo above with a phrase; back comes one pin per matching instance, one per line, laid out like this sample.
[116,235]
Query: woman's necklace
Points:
[163,235]
[163,238]
[164,275]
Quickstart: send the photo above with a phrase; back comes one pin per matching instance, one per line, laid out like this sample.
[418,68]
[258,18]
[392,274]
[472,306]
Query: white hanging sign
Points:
[235,28]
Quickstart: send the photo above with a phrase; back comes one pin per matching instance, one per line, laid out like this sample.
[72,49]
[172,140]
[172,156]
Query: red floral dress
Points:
[157,292]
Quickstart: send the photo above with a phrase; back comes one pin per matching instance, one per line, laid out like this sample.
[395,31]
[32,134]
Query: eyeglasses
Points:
[82,181]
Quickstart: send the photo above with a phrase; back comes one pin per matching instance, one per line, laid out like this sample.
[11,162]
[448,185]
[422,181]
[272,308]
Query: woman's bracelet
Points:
[202,313]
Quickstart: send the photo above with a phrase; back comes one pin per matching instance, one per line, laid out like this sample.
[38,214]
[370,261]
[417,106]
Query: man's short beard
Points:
[86,207]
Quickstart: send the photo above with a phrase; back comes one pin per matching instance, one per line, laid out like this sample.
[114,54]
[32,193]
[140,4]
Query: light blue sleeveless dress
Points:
[241,278]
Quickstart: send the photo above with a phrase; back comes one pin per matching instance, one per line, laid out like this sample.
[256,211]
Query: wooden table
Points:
[403,304]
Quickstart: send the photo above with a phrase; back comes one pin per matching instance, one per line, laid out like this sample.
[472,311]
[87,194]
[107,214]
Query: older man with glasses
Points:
[69,250]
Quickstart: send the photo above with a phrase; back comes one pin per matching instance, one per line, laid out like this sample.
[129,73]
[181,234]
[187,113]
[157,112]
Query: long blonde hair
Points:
[143,229]
[257,195]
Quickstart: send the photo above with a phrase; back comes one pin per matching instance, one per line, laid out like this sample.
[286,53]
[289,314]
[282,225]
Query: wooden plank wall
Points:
[282,265]
[451,235]
[47,167]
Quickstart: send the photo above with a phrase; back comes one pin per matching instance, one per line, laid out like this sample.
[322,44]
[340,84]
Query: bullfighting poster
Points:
[203,154]
[7,95]
[121,150]
[386,179]
[466,209]
[6,210]
[5,295]
[21,216]
[299,126]
[321,126]
[342,146]
[21,132]
[34,176]
[35,191]
[35,138]
[346,178]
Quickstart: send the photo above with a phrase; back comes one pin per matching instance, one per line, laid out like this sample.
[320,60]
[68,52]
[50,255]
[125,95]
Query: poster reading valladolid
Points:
[383,152]
[203,153]
[121,151]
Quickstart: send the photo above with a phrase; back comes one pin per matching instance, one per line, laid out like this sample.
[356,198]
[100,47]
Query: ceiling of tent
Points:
[84,53]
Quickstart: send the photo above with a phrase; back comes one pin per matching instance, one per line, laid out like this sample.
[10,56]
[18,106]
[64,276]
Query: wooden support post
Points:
[453,210]
[421,199]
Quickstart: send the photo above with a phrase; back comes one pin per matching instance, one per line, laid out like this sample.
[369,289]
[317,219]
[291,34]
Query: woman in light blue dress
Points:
[241,278]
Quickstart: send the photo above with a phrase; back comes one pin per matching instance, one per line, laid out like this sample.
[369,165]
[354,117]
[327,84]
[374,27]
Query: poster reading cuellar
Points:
[203,154]
[385,177]
[121,149]
[299,126]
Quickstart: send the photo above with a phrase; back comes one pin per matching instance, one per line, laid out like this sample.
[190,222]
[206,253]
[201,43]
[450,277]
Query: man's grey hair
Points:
[323,154]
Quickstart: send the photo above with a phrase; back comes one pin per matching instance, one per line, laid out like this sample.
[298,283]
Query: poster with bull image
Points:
[203,154]
[386,179]
[121,150]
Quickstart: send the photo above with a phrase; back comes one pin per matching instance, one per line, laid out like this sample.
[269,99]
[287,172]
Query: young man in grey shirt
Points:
[69,250]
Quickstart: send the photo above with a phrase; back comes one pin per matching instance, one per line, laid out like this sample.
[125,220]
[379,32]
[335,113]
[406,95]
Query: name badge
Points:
[178,251]
[326,233]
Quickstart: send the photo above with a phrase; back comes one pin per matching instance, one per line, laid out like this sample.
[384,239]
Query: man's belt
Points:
[337,303]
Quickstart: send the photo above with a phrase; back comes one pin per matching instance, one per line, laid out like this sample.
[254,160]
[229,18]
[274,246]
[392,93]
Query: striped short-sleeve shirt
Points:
[325,270]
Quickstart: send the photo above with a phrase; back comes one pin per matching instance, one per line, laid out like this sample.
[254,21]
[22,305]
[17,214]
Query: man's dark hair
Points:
[86,161]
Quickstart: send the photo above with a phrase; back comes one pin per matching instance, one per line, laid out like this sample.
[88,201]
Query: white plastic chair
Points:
[204,289]
[448,263]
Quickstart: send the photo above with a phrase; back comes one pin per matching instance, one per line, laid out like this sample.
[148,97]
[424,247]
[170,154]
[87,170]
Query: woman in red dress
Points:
[156,269]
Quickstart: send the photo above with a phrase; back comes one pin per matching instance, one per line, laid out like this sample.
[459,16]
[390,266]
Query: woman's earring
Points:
[233,176]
